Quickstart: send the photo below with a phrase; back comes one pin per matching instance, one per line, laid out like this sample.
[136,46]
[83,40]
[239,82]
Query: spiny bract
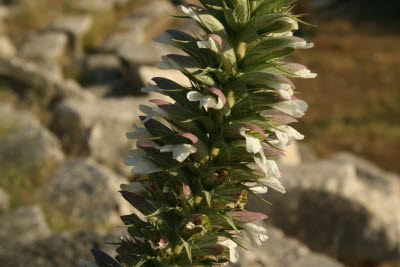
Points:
[211,145]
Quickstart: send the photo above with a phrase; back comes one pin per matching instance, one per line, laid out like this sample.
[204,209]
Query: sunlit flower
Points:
[286,135]
[253,144]
[206,101]
[233,254]
[295,108]
[152,112]
[179,152]
[141,165]
[254,233]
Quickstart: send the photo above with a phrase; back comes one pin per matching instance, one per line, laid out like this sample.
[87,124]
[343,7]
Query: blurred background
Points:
[70,79]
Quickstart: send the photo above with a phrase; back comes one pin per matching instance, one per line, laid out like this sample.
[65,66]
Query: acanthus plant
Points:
[212,145]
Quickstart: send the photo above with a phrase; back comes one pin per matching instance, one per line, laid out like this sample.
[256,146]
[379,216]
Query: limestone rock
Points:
[27,149]
[98,128]
[6,47]
[22,226]
[86,192]
[101,69]
[4,201]
[75,26]
[44,83]
[148,72]
[282,251]
[343,206]
[65,249]
[99,5]
[47,45]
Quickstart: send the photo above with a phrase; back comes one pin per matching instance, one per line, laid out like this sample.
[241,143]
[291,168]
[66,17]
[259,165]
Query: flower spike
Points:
[200,155]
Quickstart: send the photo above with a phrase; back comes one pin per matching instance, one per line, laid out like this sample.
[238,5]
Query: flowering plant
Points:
[212,145]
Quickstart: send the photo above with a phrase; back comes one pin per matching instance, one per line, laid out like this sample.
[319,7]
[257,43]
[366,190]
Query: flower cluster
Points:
[214,142]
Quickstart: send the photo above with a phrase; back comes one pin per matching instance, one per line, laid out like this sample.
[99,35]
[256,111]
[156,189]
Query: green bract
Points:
[217,138]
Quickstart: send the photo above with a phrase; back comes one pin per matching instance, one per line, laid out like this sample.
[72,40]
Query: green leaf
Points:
[188,248]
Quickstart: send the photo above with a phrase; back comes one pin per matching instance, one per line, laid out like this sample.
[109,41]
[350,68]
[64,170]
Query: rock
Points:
[7,49]
[134,54]
[282,251]
[51,68]
[148,72]
[75,26]
[27,149]
[292,155]
[47,45]
[65,249]
[44,84]
[4,201]
[87,193]
[98,128]
[307,154]
[22,226]
[343,206]
[101,69]
[99,5]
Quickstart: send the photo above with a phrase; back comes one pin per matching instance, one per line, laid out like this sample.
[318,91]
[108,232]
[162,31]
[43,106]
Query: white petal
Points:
[163,66]
[194,96]
[164,38]
[269,167]
[295,108]
[181,152]
[259,189]
[167,148]
[275,184]
[233,254]
[151,88]
[286,135]
[256,234]
[253,144]
[134,187]
[141,165]
[305,73]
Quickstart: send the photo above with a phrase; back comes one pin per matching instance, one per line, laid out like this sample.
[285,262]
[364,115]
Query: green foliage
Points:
[213,147]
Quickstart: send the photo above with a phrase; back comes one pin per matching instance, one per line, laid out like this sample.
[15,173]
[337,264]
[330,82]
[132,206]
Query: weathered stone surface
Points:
[98,128]
[282,251]
[47,45]
[65,249]
[101,69]
[4,201]
[99,5]
[148,72]
[22,226]
[342,206]
[44,84]
[75,27]
[27,149]
[7,49]
[86,192]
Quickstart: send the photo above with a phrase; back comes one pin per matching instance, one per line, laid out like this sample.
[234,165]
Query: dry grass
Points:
[354,102]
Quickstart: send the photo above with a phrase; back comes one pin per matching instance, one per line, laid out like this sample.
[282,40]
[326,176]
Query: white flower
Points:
[300,43]
[142,165]
[295,108]
[165,38]
[86,263]
[151,88]
[286,135]
[269,167]
[179,152]
[253,144]
[211,44]
[272,182]
[152,112]
[233,254]
[299,70]
[289,33]
[206,101]
[254,233]
[134,187]
[141,135]
[305,73]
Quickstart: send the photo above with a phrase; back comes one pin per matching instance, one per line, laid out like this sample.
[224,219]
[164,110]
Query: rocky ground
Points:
[62,142]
